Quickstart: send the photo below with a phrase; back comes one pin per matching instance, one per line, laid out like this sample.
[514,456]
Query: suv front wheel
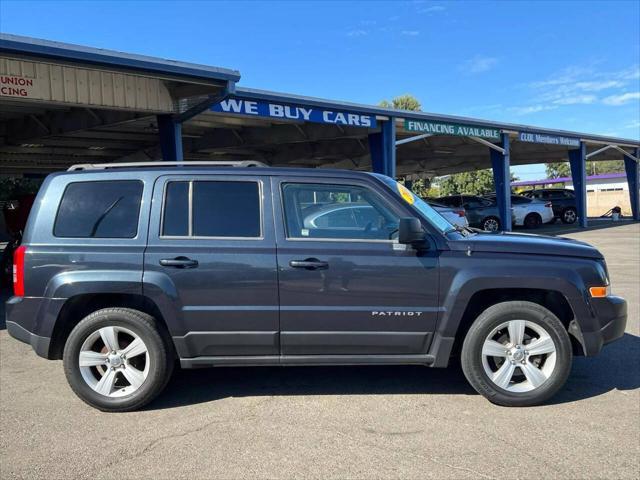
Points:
[517,354]
[116,360]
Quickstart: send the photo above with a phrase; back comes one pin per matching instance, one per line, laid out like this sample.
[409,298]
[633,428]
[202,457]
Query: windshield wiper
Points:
[94,229]
[463,230]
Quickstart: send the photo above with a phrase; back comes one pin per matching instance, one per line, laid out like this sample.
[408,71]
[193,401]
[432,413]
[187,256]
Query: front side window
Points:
[225,209]
[102,209]
[350,212]
[425,210]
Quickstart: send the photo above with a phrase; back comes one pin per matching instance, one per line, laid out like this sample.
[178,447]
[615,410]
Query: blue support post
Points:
[502,180]
[170,132]
[633,179]
[578,164]
[382,147]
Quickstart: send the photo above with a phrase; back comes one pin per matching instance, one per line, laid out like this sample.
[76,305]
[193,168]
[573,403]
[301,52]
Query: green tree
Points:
[422,187]
[479,182]
[476,183]
[557,170]
[403,102]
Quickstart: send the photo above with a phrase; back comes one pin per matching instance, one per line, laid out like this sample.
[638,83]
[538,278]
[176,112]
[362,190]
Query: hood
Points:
[527,244]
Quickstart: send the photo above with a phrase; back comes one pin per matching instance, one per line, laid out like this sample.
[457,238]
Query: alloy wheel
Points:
[491,225]
[569,216]
[114,361]
[518,356]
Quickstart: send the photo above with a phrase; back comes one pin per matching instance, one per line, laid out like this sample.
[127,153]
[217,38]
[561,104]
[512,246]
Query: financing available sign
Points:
[456,129]
[549,139]
[284,111]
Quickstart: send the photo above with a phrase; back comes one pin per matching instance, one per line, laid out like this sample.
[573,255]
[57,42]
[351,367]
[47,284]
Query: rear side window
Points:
[105,209]
[212,209]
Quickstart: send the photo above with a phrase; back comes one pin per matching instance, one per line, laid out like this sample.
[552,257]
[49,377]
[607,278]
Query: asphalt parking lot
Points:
[349,422]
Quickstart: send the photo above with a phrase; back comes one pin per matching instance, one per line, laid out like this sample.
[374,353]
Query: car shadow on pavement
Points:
[202,385]
[617,367]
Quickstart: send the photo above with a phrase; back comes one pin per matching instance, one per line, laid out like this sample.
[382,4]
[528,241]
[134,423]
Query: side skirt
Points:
[290,360]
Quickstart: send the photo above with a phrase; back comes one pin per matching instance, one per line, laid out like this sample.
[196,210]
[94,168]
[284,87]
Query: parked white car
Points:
[455,216]
[529,212]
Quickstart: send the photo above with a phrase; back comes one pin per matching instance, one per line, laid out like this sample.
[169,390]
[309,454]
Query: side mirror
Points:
[410,231]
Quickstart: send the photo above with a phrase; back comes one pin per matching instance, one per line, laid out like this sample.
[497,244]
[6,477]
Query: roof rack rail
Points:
[210,163]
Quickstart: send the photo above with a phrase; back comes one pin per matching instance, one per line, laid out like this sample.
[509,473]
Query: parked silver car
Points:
[455,216]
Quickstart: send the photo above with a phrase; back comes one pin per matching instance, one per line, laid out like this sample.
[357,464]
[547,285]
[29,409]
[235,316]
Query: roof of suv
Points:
[224,170]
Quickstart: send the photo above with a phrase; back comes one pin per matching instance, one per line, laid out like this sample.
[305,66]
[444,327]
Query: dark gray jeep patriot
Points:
[126,269]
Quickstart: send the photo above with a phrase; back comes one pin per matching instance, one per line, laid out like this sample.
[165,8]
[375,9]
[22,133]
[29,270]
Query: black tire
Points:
[161,358]
[533,220]
[569,215]
[491,224]
[493,317]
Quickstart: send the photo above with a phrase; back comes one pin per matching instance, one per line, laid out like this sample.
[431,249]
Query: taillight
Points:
[18,271]
[460,213]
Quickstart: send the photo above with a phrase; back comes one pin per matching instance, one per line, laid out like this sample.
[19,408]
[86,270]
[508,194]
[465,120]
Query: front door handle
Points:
[309,264]
[179,262]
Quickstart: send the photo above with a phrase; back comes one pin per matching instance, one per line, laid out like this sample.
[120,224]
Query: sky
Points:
[567,65]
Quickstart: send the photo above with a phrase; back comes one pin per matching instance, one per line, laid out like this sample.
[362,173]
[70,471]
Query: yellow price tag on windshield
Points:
[406,194]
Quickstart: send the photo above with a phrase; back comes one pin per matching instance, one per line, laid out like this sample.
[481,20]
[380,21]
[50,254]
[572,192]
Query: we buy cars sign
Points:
[284,111]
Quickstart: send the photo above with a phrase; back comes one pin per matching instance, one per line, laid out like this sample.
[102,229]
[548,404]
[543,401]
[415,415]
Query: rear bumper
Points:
[31,320]
[39,344]
[611,313]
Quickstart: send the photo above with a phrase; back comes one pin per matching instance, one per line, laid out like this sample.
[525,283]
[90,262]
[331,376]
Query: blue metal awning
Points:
[287,98]
[19,45]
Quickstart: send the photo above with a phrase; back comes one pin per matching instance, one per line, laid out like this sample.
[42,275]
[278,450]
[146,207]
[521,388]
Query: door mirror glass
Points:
[410,231]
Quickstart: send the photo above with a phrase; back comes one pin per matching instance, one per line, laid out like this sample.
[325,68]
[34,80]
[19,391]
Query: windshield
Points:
[426,210]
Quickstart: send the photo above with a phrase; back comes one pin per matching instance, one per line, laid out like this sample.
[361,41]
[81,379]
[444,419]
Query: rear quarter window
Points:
[100,209]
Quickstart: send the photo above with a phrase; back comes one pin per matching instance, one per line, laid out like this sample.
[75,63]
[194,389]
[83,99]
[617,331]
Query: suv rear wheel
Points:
[569,215]
[533,220]
[517,354]
[116,360]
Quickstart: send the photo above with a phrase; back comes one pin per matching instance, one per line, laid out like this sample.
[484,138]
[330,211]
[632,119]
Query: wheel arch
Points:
[552,300]
[79,306]
[472,292]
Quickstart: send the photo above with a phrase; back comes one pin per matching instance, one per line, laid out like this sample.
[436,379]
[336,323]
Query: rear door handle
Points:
[309,264]
[179,262]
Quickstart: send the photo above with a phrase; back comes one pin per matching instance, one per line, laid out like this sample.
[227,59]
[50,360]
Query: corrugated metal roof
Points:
[546,181]
[17,44]
[265,95]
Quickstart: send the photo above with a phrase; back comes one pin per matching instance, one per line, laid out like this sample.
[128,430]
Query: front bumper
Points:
[611,313]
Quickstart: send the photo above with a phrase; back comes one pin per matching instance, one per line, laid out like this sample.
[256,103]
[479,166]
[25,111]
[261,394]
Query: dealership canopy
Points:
[62,104]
